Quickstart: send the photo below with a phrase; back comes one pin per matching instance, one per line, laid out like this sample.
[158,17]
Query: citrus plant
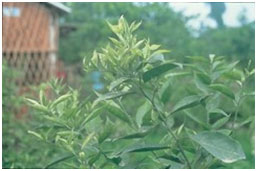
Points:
[154,113]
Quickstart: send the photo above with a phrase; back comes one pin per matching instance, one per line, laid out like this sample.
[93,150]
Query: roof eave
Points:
[60,6]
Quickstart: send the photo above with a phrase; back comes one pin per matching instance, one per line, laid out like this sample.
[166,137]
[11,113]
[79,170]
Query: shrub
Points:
[141,120]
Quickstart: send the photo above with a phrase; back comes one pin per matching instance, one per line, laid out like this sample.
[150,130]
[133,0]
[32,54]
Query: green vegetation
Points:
[167,102]
[161,24]
[193,130]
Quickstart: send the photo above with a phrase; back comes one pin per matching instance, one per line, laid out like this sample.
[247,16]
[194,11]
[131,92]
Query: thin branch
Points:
[162,117]
[125,110]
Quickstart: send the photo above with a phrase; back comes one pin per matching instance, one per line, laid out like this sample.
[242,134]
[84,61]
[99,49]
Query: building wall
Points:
[29,31]
[30,40]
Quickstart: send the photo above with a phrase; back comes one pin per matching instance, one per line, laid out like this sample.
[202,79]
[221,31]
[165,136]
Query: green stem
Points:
[238,105]
[235,118]
[162,117]
[178,144]
[131,120]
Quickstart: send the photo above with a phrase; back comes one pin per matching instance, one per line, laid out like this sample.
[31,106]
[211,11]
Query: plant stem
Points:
[178,143]
[132,121]
[237,106]
[235,118]
[162,117]
[239,102]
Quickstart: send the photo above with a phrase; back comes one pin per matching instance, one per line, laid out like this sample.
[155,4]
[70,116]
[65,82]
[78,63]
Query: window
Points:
[11,11]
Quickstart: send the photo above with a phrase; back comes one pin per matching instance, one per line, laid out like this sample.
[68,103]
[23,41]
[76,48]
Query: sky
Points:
[230,17]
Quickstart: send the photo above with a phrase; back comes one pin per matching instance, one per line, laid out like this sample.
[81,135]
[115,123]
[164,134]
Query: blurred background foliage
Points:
[163,26]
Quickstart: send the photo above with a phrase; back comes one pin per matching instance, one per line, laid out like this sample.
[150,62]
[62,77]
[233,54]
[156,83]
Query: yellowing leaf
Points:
[36,134]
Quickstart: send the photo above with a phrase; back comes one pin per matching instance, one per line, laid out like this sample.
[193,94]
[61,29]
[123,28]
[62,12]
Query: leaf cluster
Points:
[161,131]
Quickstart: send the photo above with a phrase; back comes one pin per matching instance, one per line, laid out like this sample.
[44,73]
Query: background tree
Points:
[162,25]
[217,10]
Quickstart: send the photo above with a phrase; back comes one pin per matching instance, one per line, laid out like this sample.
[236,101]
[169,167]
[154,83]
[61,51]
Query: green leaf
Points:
[252,72]
[203,77]
[57,120]
[140,65]
[59,160]
[219,123]
[115,28]
[157,71]
[249,94]
[135,135]
[223,89]
[113,159]
[165,92]
[225,131]
[135,26]
[94,159]
[139,43]
[41,96]
[176,74]
[87,139]
[248,120]
[186,103]
[212,57]
[203,98]
[218,111]
[154,47]
[67,133]
[107,131]
[172,158]
[178,131]
[229,67]
[36,134]
[161,51]
[94,114]
[156,58]
[194,118]
[145,148]
[115,41]
[36,105]
[222,69]
[220,146]
[234,75]
[141,112]
[112,95]
[198,59]
[54,119]
[200,85]
[213,102]
[60,99]
[116,111]
[171,164]
[117,82]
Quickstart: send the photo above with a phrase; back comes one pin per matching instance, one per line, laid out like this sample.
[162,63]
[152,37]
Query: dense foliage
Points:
[155,112]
